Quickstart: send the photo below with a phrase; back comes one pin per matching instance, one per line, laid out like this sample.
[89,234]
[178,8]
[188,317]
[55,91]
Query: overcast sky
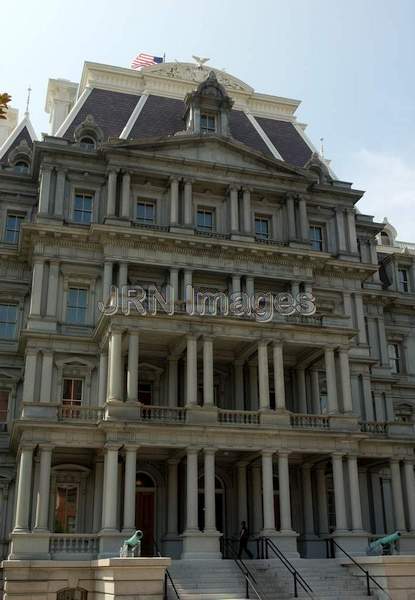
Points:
[349,61]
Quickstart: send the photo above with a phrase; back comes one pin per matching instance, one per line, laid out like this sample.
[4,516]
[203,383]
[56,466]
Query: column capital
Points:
[208,337]
[131,447]
[46,168]
[174,178]
[193,449]
[307,466]
[409,461]
[26,446]
[112,169]
[112,446]
[278,342]
[246,188]
[266,452]
[394,460]
[46,446]
[242,464]
[338,455]
[173,461]
[188,180]
[211,451]
[283,453]
[263,342]
[233,187]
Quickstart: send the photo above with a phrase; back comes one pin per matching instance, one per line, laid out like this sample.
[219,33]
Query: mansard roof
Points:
[24,132]
[163,116]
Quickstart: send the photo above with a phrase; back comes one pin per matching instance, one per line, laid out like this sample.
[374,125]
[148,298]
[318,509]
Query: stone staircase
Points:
[222,580]
[206,580]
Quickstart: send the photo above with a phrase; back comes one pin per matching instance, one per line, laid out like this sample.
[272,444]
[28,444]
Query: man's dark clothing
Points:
[243,543]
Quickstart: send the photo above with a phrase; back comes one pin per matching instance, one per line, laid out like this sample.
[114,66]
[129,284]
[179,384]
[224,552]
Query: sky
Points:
[350,62]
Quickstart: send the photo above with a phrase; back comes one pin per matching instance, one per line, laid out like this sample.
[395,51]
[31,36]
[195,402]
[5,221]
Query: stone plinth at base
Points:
[104,579]
[286,541]
[396,574]
[355,543]
[203,546]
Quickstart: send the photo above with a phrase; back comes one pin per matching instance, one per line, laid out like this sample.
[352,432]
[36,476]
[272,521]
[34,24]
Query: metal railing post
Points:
[247,587]
[165,586]
[295,585]
[369,593]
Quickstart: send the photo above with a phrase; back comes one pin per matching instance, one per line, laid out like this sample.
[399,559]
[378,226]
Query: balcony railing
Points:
[238,417]
[164,414]
[73,543]
[375,427]
[302,421]
[80,413]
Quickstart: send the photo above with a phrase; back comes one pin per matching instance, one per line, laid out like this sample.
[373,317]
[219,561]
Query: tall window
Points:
[403,280]
[205,219]
[262,227]
[8,321]
[316,237]
[83,207]
[72,392]
[146,212]
[4,408]
[394,358]
[66,507]
[13,223]
[207,123]
[77,304]
[145,392]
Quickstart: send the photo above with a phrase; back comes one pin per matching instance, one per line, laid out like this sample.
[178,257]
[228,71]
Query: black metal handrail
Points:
[369,577]
[250,581]
[167,576]
[264,545]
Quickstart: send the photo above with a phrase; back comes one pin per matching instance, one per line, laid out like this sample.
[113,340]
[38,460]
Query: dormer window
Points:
[87,143]
[208,108]
[207,123]
[21,166]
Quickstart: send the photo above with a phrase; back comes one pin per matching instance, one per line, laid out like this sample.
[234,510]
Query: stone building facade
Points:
[179,424]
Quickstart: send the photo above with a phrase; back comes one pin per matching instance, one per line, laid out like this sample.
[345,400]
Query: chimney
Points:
[60,98]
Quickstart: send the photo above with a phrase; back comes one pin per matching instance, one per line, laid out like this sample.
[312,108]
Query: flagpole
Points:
[164,57]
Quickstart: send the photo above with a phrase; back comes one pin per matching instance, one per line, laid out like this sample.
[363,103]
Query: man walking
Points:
[243,541]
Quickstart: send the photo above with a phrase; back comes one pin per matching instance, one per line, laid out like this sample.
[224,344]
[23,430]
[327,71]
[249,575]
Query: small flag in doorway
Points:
[145,60]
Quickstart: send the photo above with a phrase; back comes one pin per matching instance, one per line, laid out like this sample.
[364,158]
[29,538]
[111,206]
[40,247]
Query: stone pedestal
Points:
[110,543]
[26,546]
[354,542]
[106,579]
[202,415]
[286,541]
[199,545]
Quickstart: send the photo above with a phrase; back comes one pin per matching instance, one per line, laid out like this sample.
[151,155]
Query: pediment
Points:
[221,151]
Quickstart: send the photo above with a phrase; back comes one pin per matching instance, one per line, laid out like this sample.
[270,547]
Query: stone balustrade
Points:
[238,417]
[163,414]
[304,421]
[81,413]
[73,543]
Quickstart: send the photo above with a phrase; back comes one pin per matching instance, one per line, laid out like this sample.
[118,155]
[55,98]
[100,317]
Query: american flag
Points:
[145,60]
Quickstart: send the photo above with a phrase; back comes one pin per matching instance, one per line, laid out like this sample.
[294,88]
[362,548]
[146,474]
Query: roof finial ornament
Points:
[29,89]
[322,147]
[200,61]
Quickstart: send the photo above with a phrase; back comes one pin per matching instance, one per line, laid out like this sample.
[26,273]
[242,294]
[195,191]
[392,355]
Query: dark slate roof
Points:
[243,131]
[23,135]
[159,117]
[111,111]
[286,140]
[162,116]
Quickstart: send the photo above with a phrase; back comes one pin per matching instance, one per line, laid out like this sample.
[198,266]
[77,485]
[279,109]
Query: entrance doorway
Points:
[219,504]
[145,511]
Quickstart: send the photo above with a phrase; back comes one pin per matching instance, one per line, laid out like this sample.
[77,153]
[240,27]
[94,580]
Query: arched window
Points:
[21,166]
[87,143]
[385,239]
[144,481]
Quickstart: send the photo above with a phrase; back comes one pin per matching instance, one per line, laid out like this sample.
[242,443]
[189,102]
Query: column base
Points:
[354,542]
[285,540]
[110,542]
[407,543]
[201,546]
[172,545]
[29,545]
